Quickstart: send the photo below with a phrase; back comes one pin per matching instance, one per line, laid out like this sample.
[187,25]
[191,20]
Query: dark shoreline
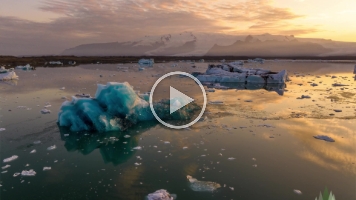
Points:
[39,61]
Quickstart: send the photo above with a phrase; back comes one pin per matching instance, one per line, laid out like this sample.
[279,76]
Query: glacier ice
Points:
[202,186]
[14,157]
[235,73]
[116,106]
[7,74]
[30,172]
[146,62]
[160,195]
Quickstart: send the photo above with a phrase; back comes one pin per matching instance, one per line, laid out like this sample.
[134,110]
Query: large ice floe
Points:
[202,186]
[7,74]
[235,73]
[116,106]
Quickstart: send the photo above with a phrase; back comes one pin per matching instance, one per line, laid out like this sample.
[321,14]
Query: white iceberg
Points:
[161,195]
[202,186]
[6,166]
[45,111]
[46,168]
[51,147]
[12,158]
[7,74]
[28,173]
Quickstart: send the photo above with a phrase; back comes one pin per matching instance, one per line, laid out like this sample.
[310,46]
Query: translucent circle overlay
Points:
[171,74]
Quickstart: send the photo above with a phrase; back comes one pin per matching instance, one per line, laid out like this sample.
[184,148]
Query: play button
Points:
[177,99]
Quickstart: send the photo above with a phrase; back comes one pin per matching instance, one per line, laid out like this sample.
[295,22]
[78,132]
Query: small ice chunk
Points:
[62,88]
[254,165]
[37,142]
[6,166]
[297,191]
[33,151]
[28,173]
[12,158]
[126,136]
[51,147]
[3,172]
[45,111]
[161,195]
[202,186]
[324,137]
[47,106]
[231,158]
[185,147]
[16,174]
[166,142]
[138,164]
[46,168]
[138,148]
[2,129]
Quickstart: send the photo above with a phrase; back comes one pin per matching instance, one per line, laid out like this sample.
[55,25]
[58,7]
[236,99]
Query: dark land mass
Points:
[42,61]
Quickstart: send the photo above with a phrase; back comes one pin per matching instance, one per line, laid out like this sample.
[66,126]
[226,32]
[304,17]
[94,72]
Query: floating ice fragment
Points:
[202,186]
[339,85]
[16,174]
[12,158]
[138,164]
[216,102]
[231,188]
[324,137]
[45,111]
[297,192]
[185,147]
[231,158]
[166,142]
[37,142]
[161,195]
[2,129]
[52,147]
[47,106]
[138,148]
[3,172]
[46,168]
[254,165]
[6,166]
[28,173]
[127,136]
[33,151]
[62,88]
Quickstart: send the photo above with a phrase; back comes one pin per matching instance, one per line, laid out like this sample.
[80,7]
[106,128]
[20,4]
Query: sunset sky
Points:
[45,24]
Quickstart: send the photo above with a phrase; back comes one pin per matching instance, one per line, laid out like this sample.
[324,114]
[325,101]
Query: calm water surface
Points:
[269,135]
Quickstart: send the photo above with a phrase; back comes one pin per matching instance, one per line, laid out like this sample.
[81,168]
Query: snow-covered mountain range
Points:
[210,44]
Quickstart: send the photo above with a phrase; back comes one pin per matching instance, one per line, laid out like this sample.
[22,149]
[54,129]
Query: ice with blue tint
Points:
[116,106]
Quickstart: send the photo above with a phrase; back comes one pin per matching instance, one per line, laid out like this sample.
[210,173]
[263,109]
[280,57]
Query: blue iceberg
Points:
[116,106]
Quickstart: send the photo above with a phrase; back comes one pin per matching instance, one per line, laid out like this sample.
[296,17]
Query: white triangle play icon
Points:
[177,100]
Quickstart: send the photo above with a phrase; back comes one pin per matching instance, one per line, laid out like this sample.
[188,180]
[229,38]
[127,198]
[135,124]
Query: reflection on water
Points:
[279,88]
[115,147]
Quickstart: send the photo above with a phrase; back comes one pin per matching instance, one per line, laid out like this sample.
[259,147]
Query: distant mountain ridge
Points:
[209,44]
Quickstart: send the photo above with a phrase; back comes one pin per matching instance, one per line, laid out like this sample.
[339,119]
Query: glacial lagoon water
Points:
[267,136]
